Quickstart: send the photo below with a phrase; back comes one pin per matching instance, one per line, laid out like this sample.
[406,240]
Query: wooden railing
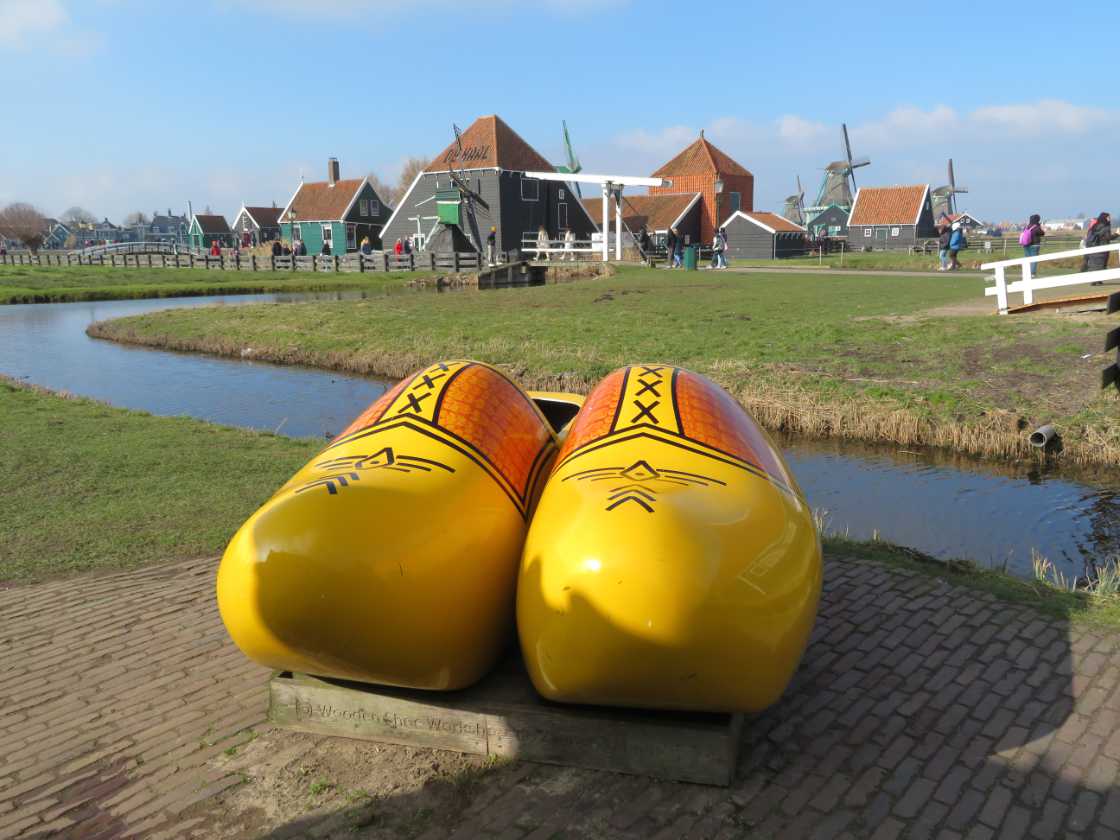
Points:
[376,261]
[1031,283]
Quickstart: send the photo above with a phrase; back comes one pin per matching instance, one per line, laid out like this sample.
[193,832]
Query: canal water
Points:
[942,505]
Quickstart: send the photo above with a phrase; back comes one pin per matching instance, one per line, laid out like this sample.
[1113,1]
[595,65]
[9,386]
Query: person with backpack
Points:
[1031,237]
[1099,234]
[956,243]
[944,234]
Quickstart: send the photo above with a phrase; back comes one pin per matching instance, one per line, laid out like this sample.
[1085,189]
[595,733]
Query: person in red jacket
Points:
[215,249]
[398,248]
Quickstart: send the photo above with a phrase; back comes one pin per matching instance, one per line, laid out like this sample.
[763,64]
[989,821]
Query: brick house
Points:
[890,218]
[695,170]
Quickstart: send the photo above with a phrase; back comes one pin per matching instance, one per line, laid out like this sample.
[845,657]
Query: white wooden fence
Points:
[1031,283]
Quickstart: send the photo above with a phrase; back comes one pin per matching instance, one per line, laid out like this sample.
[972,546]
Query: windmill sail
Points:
[839,183]
[573,165]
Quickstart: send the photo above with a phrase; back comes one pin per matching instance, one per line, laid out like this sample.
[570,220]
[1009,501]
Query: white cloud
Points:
[795,129]
[1048,116]
[664,143]
[23,19]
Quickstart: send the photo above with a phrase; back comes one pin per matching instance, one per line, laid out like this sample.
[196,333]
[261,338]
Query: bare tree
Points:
[137,218]
[412,167]
[23,222]
[78,216]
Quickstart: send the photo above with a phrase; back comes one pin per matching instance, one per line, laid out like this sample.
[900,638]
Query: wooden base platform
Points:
[504,716]
[1076,304]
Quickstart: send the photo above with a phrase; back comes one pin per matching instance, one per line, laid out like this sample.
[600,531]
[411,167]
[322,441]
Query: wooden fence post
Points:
[253,262]
[361,263]
[335,258]
[455,261]
[385,259]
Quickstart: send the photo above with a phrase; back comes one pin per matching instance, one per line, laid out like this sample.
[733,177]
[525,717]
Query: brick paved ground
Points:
[921,710]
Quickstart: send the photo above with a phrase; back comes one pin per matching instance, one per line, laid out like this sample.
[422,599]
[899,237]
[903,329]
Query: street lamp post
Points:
[292,232]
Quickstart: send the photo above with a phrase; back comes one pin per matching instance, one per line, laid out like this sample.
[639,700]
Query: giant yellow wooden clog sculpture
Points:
[672,561]
[392,556]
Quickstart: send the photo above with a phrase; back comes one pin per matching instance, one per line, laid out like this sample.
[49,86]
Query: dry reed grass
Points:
[769,396]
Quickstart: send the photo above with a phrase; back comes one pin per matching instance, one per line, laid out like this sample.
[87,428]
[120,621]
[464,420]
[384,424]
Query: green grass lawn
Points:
[87,486]
[52,284]
[970,259]
[913,360]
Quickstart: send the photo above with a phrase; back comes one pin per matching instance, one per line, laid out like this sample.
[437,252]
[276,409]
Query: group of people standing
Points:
[950,241]
[1097,233]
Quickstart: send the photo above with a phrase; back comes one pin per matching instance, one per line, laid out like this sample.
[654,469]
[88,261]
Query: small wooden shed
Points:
[335,213]
[255,225]
[759,235]
[891,218]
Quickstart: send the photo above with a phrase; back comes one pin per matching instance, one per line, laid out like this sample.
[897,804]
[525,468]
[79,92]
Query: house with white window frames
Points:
[338,213]
[891,218]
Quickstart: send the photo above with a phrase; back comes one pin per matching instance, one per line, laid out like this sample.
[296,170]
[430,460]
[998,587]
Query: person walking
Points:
[277,248]
[491,245]
[408,246]
[325,251]
[398,249]
[673,246]
[1099,234]
[366,246]
[1031,237]
[943,237]
[543,244]
[722,234]
[956,243]
[717,250]
[569,245]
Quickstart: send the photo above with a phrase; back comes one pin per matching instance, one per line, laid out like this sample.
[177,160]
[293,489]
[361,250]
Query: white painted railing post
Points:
[1028,291]
[1001,290]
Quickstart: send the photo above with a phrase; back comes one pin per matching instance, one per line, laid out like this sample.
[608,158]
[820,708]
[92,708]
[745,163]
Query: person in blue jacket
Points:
[956,243]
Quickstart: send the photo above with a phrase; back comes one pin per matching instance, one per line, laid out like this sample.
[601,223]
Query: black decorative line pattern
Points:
[646,411]
[332,482]
[643,483]
[463,447]
[383,459]
[413,403]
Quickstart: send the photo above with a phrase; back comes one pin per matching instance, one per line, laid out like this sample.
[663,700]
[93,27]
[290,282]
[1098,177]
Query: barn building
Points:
[489,189]
[206,229]
[337,213]
[255,225]
[701,168]
[758,235]
[891,218]
[831,222]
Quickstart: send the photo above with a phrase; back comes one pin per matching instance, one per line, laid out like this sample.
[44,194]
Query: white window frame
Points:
[894,232]
[297,232]
[328,233]
[363,208]
[374,207]
[562,215]
[867,233]
[351,238]
[537,189]
[561,194]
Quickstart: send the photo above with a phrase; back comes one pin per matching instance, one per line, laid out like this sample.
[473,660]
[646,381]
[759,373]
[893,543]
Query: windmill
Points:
[839,184]
[573,165]
[944,203]
[455,207]
[794,209]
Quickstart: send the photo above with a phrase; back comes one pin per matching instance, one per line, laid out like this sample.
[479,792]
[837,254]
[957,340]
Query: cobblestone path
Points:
[921,710]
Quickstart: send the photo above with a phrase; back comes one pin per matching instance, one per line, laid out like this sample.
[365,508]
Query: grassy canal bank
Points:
[91,487]
[46,284]
[906,360]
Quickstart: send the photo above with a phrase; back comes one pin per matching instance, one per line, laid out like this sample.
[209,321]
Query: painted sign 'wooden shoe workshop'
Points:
[672,562]
[392,556]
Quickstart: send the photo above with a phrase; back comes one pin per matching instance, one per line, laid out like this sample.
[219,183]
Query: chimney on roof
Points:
[701,134]
[332,171]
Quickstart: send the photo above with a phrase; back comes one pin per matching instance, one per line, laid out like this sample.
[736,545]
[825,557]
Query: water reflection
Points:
[938,503]
[951,506]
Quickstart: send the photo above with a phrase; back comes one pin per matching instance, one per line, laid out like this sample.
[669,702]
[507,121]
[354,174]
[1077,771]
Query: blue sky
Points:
[119,105]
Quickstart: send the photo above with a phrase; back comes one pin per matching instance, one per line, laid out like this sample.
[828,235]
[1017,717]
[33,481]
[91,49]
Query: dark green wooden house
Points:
[338,213]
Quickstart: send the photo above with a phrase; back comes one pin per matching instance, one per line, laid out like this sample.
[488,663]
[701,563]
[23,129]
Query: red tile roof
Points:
[265,216]
[774,221]
[211,224]
[656,212]
[318,201]
[488,143]
[701,158]
[888,205]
